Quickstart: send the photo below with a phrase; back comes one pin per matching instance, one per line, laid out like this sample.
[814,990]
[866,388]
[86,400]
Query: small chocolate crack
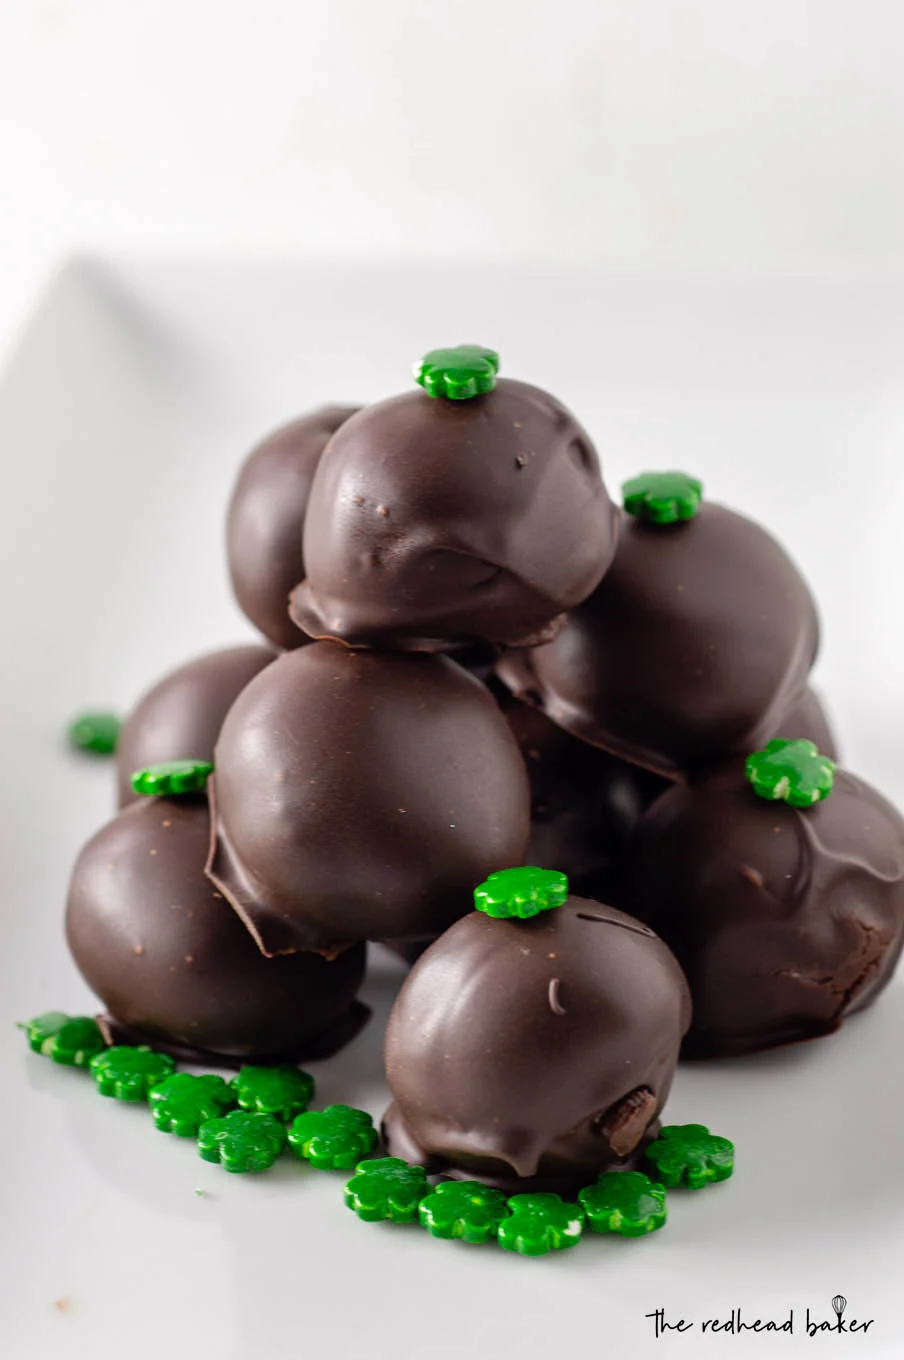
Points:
[752,875]
[555,1004]
[624,1124]
[638,929]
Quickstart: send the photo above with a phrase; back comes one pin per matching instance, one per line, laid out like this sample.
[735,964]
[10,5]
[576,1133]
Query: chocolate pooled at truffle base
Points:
[701,635]
[361,795]
[534,1054]
[432,523]
[266,514]
[784,920]
[181,716]
[174,965]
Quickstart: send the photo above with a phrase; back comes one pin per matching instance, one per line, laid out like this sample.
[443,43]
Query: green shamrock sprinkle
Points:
[624,1202]
[181,1103]
[95,732]
[280,1091]
[69,1039]
[523,892]
[334,1139]
[466,1210]
[662,497]
[791,771]
[386,1188]
[129,1073]
[172,777]
[540,1223]
[458,373]
[242,1141]
[688,1154]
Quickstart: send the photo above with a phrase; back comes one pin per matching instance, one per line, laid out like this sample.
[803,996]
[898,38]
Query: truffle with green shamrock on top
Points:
[181,1103]
[281,1091]
[242,1141]
[72,1040]
[386,1188]
[624,1202]
[694,647]
[540,1223]
[480,516]
[786,913]
[334,1139]
[556,1036]
[688,1154]
[467,1210]
[129,1072]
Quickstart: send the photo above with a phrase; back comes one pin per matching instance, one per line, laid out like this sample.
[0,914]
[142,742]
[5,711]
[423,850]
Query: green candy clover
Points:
[662,497]
[181,1103]
[97,733]
[69,1039]
[523,892]
[242,1141]
[334,1139]
[458,373]
[171,778]
[466,1210]
[791,771]
[540,1223]
[386,1188]
[624,1202]
[280,1091]
[688,1154]
[129,1073]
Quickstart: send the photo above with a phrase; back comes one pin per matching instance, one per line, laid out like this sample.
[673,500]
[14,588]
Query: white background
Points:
[667,134]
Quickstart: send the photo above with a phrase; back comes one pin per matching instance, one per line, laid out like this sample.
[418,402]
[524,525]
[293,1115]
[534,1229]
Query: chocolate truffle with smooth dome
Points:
[181,716]
[433,523]
[175,966]
[534,1053]
[698,640]
[361,795]
[266,514]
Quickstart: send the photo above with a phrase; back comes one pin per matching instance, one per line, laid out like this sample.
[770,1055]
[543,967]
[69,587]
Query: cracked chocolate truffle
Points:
[698,640]
[361,795]
[266,514]
[784,919]
[534,1053]
[173,963]
[181,716]
[433,523]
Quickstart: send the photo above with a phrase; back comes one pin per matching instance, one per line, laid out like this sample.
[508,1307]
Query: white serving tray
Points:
[123,417]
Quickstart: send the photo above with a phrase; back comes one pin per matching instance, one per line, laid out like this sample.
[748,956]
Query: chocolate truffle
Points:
[534,1053]
[785,920]
[173,963]
[433,523]
[266,514]
[700,637]
[180,718]
[361,795]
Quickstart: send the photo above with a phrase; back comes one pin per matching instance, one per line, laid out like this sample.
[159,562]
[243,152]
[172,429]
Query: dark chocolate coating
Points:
[433,523]
[171,960]
[362,795]
[514,1046]
[266,514]
[784,921]
[700,637]
[584,802]
[180,718]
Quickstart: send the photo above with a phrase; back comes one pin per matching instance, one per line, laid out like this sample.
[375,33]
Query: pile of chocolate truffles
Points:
[475,660]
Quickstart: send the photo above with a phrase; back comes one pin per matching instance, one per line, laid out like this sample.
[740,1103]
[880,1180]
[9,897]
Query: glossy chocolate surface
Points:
[170,959]
[181,716]
[362,795]
[784,921]
[433,523]
[697,642]
[534,1052]
[266,514]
